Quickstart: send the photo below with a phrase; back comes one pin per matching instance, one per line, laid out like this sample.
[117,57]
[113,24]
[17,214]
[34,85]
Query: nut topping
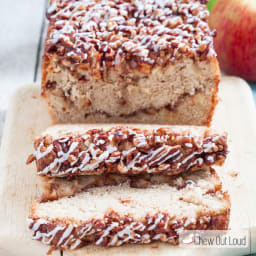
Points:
[143,34]
[128,151]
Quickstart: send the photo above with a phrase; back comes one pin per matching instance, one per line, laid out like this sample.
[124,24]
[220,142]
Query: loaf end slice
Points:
[117,215]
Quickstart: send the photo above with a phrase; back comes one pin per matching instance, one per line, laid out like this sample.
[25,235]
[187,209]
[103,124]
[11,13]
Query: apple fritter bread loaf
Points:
[149,61]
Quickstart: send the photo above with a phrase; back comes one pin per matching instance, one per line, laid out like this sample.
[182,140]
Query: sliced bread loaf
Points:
[129,61]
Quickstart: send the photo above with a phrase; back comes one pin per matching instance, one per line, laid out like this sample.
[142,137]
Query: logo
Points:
[215,238]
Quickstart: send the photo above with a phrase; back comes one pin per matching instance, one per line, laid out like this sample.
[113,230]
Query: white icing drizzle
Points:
[137,226]
[161,156]
[184,161]
[106,232]
[140,140]
[84,166]
[50,235]
[155,160]
[154,26]
[62,157]
[145,239]
[76,244]
[189,145]
[86,230]
[153,153]
[71,238]
[177,158]
[67,232]
[113,241]
[198,161]
[39,154]
[160,216]
[166,222]
[189,221]
[157,236]
[126,234]
[63,140]
[121,234]
[47,238]
[131,165]
[179,230]
[210,159]
[169,156]
[208,146]
[113,159]
[215,138]
[127,152]
[29,221]
[86,159]
[38,223]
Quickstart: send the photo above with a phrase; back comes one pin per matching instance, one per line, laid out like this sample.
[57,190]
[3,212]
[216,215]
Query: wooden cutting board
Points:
[27,117]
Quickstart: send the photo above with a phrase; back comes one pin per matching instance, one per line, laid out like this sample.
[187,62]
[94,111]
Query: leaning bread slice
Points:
[54,188]
[116,215]
[71,150]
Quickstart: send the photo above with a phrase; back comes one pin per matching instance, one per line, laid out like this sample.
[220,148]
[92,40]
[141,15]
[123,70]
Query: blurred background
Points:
[23,27]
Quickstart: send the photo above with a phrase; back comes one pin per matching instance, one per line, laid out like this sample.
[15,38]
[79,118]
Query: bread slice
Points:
[116,215]
[55,188]
[130,61]
[64,151]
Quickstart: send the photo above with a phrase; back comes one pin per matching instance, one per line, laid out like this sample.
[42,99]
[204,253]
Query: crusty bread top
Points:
[144,33]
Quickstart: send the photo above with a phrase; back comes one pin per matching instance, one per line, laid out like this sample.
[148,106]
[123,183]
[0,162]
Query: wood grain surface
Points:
[27,118]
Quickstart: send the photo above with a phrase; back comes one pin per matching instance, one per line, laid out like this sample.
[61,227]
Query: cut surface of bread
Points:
[116,215]
[64,151]
[55,188]
[139,61]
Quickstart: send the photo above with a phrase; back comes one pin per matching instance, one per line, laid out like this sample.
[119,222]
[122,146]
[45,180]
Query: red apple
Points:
[235,43]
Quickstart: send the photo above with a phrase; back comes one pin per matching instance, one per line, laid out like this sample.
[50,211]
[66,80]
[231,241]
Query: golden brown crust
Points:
[128,151]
